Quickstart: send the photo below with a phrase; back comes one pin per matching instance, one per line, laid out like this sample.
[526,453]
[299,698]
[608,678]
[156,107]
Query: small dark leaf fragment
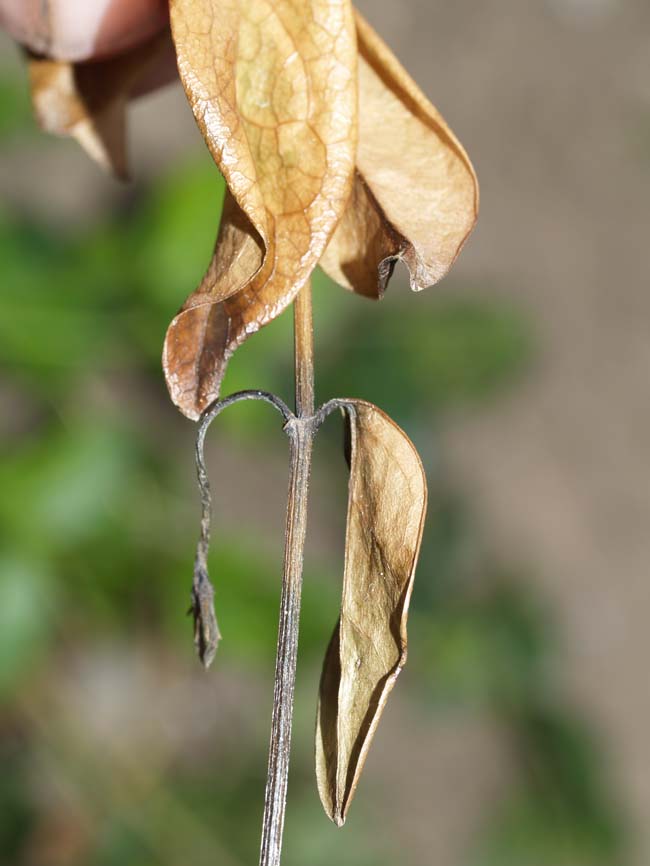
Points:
[206,629]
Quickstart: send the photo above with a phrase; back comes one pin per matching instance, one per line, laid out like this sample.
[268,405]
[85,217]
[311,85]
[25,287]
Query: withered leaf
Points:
[273,89]
[415,195]
[87,101]
[386,509]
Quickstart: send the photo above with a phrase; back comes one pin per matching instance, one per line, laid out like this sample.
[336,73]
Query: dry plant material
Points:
[273,89]
[87,101]
[311,177]
[415,195]
[386,509]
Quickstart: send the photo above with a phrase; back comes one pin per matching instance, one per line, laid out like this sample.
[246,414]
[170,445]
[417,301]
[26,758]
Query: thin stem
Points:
[301,432]
[303,330]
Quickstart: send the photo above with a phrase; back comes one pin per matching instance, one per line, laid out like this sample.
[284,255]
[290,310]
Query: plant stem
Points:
[301,433]
[304,352]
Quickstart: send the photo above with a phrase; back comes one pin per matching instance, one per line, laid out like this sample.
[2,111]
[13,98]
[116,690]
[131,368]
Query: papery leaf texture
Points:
[273,88]
[386,509]
[87,101]
[415,195]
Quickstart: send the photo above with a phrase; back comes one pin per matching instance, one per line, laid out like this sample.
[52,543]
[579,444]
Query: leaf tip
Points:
[207,656]
[194,357]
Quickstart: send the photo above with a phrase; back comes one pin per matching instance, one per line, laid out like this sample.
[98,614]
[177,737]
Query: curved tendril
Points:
[206,629]
[324,411]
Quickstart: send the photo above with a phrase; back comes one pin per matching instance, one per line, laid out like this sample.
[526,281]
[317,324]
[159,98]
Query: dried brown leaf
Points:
[415,195]
[87,101]
[386,509]
[273,89]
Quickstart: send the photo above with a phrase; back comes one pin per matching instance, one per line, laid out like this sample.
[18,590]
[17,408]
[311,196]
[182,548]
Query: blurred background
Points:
[517,734]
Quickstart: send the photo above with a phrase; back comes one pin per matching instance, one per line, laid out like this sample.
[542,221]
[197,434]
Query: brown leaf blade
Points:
[273,89]
[386,509]
[415,195]
[87,101]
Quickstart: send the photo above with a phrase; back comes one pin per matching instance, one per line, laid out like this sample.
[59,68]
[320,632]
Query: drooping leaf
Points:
[415,195]
[386,509]
[273,89]
[87,101]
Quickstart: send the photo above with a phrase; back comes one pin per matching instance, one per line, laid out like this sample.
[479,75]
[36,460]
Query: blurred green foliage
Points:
[98,523]
[15,111]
